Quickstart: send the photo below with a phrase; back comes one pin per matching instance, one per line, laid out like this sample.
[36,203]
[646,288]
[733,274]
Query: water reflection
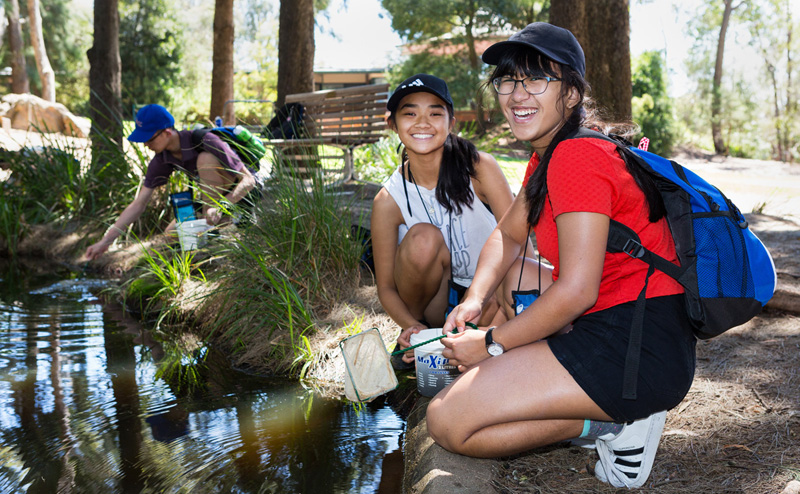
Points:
[82,409]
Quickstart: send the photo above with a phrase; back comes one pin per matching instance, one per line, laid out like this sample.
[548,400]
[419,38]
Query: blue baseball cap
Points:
[149,120]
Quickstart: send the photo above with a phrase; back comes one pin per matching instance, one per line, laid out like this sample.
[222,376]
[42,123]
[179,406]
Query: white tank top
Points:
[470,229]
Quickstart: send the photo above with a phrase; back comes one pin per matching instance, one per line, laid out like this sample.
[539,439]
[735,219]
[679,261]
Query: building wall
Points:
[342,79]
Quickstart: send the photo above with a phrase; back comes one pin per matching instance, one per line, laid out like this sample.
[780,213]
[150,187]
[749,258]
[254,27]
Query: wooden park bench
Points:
[336,118]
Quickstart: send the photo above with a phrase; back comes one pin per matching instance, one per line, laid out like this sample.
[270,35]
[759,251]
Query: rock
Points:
[29,112]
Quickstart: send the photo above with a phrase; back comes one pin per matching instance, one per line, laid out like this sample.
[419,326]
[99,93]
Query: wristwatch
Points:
[494,348]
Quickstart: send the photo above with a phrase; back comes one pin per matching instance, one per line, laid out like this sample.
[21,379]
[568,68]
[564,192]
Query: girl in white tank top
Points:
[430,220]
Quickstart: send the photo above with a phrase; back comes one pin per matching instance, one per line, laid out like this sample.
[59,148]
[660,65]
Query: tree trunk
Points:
[791,99]
[716,89]
[475,66]
[104,83]
[222,72]
[3,23]
[46,73]
[602,27]
[608,67]
[295,48]
[571,14]
[19,70]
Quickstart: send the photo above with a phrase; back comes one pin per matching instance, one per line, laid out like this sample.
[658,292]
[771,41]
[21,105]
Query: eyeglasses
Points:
[154,136]
[533,85]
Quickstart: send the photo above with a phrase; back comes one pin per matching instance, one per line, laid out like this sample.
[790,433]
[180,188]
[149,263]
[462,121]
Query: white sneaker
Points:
[581,442]
[626,459]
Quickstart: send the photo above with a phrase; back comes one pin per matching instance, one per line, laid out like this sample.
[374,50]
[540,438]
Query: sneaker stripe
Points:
[626,463]
[628,452]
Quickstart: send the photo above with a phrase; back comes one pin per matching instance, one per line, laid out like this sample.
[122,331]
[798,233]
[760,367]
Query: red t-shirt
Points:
[588,175]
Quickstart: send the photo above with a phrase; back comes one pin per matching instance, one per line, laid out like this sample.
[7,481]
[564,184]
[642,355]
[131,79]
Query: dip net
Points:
[369,370]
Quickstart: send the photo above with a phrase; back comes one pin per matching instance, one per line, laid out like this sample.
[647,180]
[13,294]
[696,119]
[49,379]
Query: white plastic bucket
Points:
[434,372]
[190,234]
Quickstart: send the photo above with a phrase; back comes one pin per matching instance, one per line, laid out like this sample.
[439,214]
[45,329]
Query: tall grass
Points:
[58,184]
[12,221]
[289,266]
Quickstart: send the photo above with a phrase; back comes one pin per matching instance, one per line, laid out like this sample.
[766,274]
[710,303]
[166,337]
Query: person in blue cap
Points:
[216,167]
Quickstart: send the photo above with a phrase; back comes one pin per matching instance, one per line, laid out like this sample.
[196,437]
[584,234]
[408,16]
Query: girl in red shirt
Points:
[555,371]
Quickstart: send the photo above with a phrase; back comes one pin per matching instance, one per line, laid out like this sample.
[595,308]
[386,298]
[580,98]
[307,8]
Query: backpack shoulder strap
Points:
[197,137]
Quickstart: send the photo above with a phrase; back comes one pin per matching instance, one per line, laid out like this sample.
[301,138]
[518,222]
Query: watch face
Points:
[495,349]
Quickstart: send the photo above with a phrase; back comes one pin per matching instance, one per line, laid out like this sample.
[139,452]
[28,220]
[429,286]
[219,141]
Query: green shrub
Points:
[651,105]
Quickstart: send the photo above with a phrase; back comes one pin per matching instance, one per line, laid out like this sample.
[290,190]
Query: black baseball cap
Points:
[420,82]
[554,42]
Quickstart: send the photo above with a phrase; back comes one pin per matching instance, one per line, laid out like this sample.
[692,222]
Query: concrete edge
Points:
[430,469]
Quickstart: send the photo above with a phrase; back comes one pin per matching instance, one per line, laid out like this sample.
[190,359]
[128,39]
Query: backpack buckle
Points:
[633,249]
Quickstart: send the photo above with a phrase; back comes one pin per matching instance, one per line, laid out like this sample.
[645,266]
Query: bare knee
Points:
[421,247]
[440,426]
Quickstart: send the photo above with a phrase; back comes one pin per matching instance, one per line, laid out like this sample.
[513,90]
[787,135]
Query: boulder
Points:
[29,112]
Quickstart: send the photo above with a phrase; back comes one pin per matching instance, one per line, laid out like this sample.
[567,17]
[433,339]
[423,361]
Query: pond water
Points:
[83,409]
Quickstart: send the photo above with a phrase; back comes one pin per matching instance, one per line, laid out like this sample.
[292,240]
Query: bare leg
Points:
[504,405]
[422,268]
[215,179]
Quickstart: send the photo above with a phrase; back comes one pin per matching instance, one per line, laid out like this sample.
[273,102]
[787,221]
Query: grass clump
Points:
[286,268]
[59,185]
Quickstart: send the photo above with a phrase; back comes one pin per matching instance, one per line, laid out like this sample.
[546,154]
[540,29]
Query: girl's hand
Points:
[404,341]
[465,349]
[466,311]
[213,216]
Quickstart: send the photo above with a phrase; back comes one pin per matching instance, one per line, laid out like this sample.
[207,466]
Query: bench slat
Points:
[345,118]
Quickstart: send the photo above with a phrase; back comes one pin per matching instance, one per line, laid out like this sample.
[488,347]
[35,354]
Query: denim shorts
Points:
[594,354]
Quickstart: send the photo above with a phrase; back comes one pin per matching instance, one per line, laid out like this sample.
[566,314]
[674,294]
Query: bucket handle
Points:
[455,330]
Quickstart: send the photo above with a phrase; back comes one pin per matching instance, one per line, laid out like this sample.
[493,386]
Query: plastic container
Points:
[190,234]
[244,135]
[434,372]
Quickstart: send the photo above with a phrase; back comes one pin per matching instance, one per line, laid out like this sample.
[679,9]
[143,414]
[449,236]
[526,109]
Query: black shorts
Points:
[594,354]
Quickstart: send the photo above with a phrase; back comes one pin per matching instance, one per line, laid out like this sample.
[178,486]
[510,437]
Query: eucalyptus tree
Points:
[105,83]
[19,72]
[775,39]
[67,33]
[295,48]
[222,71]
[709,30]
[46,74]
[603,30]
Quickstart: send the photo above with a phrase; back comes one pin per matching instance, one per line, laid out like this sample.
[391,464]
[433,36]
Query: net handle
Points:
[455,330]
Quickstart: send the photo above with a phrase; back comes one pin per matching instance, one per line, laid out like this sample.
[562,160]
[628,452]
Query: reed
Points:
[290,265]
[58,184]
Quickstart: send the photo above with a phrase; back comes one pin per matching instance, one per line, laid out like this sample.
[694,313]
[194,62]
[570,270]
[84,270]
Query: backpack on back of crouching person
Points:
[246,145]
[726,271]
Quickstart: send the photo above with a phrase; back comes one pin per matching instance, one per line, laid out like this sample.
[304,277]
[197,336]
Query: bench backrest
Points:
[349,116]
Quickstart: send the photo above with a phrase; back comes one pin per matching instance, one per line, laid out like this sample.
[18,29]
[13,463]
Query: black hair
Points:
[459,156]
[525,61]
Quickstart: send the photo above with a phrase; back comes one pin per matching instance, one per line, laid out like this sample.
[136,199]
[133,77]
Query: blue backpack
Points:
[727,273]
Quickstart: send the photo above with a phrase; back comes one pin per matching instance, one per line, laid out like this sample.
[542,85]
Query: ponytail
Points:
[453,189]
